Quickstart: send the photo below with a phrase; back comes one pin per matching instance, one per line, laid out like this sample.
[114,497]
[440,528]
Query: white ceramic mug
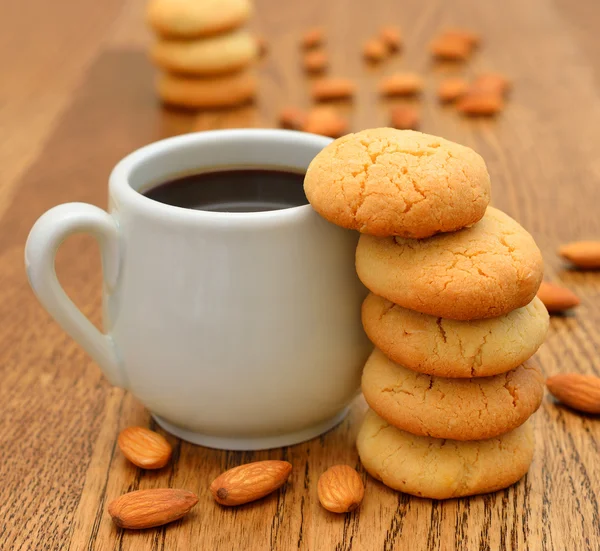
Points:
[236,330]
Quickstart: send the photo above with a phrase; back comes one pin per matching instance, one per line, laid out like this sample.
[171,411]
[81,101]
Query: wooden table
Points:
[76,95]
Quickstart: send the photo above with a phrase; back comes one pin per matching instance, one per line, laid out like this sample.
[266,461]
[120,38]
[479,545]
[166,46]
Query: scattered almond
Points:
[144,448]
[450,47]
[292,118]
[581,392]
[583,254]
[250,482]
[475,103]
[313,37]
[491,82]
[149,508]
[333,88]
[401,84]
[340,489]
[557,298]
[326,121]
[470,37]
[315,61]
[262,46]
[391,37]
[375,50]
[451,89]
[404,117]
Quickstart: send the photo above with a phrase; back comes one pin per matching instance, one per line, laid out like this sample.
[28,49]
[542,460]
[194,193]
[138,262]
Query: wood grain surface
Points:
[77,95]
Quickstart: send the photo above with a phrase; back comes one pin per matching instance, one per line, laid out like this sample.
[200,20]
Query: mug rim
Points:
[119,181]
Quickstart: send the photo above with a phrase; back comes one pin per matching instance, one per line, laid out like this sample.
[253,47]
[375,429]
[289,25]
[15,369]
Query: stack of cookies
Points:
[452,312]
[204,52]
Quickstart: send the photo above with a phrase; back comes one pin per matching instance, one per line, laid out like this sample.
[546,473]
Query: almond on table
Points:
[401,84]
[340,489]
[249,482]
[313,37]
[470,37]
[315,61]
[580,392]
[492,82]
[292,118]
[333,88]
[451,47]
[404,117]
[451,89]
[149,508]
[557,298]
[326,121]
[144,448]
[475,103]
[583,254]
[391,37]
[375,50]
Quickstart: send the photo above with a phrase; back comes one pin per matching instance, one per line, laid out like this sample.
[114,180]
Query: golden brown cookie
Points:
[206,93]
[450,348]
[483,271]
[386,182]
[460,409]
[193,18]
[443,469]
[215,55]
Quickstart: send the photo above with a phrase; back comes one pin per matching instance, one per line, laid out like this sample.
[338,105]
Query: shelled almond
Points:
[375,50]
[391,37]
[340,489]
[580,392]
[333,88]
[557,298]
[401,84]
[315,61]
[144,448]
[583,254]
[326,121]
[404,117]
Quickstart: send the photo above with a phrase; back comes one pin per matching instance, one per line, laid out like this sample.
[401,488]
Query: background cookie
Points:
[209,56]
[192,18]
[207,92]
[483,271]
[460,409]
[450,348]
[386,182]
[443,469]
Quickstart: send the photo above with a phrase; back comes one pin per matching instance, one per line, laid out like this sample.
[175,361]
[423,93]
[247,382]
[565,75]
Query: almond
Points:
[375,50]
[470,37]
[250,482]
[557,298]
[401,84]
[491,82]
[391,37]
[326,121]
[313,37]
[449,47]
[333,88]
[404,117]
[144,448]
[475,103]
[451,89]
[583,254]
[315,61]
[292,118]
[149,508]
[340,489]
[581,392]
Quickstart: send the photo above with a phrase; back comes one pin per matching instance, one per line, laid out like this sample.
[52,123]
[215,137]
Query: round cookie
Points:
[483,271]
[450,348]
[206,93]
[460,409]
[193,18]
[208,56]
[387,182]
[443,469]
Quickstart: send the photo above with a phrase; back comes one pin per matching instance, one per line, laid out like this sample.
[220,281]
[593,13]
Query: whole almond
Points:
[333,88]
[340,489]
[470,37]
[451,48]
[404,117]
[491,82]
[401,84]
[326,121]
[250,482]
[557,298]
[375,50]
[313,37]
[315,61]
[391,37]
[451,89]
[583,254]
[581,392]
[292,118]
[144,448]
[475,104]
[148,508]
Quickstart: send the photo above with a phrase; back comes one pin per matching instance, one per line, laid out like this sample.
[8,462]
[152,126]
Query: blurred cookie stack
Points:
[452,312]
[204,51]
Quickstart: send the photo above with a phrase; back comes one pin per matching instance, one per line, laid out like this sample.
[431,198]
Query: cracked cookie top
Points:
[460,409]
[483,271]
[450,348]
[387,182]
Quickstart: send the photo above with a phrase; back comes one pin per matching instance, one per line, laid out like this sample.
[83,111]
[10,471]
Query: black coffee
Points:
[234,190]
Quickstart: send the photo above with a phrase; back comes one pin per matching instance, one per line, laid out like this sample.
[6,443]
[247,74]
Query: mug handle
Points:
[46,236]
